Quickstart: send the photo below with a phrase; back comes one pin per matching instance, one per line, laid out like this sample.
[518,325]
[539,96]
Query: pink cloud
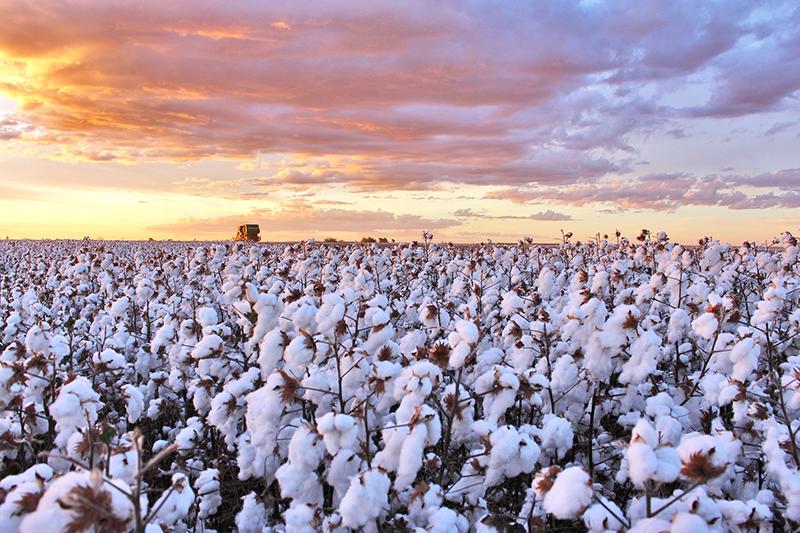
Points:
[510,94]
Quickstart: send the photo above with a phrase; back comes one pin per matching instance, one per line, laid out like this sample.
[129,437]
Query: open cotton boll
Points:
[134,402]
[120,307]
[499,387]
[601,518]
[511,303]
[207,486]
[300,351]
[445,520]
[75,409]
[173,505]
[462,341]
[744,356]
[207,316]
[209,346]
[253,516]
[511,454]
[109,359]
[338,431]
[705,325]
[344,466]
[645,353]
[330,313]
[688,523]
[556,435]
[76,496]
[570,494]
[365,500]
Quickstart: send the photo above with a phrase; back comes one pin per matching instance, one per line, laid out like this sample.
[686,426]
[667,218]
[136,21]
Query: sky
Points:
[474,120]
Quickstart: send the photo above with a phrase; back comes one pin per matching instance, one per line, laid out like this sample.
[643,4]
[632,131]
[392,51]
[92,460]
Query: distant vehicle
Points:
[249,233]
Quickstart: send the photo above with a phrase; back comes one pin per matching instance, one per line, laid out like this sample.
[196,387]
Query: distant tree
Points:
[383,239]
[331,239]
[368,239]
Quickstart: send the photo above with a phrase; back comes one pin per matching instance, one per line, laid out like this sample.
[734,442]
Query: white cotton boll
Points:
[338,431]
[650,525]
[188,437]
[688,523]
[75,409]
[270,351]
[511,454]
[209,346]
[253,516]
[164,336]
[642,463]
[744,356]
[365,499]
[173,505]
[110,359]
[678,325]
[426,431]
[124,465]
[511,303]
[52,515]
[120,307]
[598,519]
[705,325]
[134,402]
[145,289]
[711,386]
[445,520]
[207,486]
[644,357]
[669,464]
[461,341]
[556,435]
[570,494]
[344,466]
[330,313]
[36,340]
[207,316]
[300,352]
[300,518]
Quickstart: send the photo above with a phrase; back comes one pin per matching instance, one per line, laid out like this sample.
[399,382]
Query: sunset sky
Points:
[477,119]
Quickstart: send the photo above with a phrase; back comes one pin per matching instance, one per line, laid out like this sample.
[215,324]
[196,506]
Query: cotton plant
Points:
[612,384]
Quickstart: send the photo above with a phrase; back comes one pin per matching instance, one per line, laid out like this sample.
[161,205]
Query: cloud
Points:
[549,215]
[419,94]
[305,217]
[668,192]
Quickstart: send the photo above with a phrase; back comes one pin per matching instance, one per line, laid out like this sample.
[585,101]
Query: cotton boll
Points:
[598,519]
[688,523]
[120,307]
[705,325]
[511,454]
[650,525]
[109,359]
[208,488]
[207,317]
[645,353]
[134,401]
[343,468]
[300,352]
[338,431]
[173,505]
[365,499]
[556,435]
[744,356]
[253,516]
[302,518]
[570,494]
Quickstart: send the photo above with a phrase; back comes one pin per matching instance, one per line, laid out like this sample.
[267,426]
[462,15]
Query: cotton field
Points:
[610,385]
